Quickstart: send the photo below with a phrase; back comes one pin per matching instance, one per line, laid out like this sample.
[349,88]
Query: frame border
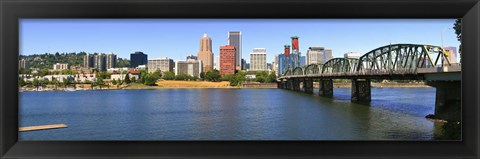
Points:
[11,11]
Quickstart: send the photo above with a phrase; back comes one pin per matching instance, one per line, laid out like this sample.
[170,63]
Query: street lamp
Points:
[441,35]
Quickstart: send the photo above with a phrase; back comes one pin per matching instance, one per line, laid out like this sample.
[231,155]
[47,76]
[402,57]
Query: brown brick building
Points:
[227,60]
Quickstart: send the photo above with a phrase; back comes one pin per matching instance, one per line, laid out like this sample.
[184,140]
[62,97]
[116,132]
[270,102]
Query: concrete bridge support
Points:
[326,87]
[448,99]
[296,84]
[361,91]
[308,85]
[288,84]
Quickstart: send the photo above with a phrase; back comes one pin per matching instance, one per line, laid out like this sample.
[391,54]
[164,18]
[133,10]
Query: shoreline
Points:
[204,85]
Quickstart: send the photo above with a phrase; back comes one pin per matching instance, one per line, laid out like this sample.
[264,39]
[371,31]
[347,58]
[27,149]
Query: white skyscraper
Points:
[258,59]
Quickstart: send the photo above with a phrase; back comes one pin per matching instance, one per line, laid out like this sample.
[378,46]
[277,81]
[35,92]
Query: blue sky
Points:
[178,38]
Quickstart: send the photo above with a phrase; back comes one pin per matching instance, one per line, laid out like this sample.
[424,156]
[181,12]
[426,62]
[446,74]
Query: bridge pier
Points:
[288,84]
[296,84]
[448,99]
[361,91]
[308,85]
[326,87]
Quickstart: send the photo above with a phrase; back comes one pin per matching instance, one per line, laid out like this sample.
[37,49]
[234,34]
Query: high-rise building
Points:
[60,66]
[452,54]
[191,67]
[138,58]
[163,64]
[303,61]
[274,66]
[111,60]
[315,55]
[235,39]
[244,64]
[258,59]
[205,53]
[269,66]
[227,60]
[318,55]
[328,54]
[100,61]
[352,55]
[88,61]
[282,66]
[23,64]
[217,63]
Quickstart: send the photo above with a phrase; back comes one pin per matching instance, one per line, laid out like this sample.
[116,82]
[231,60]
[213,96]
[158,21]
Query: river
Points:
[228,114]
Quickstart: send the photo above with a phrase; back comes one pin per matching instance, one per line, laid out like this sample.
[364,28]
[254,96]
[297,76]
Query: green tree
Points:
[202,75]
[169,75]
[100,82]
[127,79]
[457,26]
[36,83]
[150,79]
[43,72]
[21,82]
[272,77]
[66,82]
[213,75]
[114,82]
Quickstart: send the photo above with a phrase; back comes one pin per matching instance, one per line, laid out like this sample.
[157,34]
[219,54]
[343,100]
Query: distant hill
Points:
[47,60]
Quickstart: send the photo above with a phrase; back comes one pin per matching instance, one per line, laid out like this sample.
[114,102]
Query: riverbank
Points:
[162,84]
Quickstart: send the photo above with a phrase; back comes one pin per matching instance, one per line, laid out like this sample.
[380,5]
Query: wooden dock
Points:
[42,127]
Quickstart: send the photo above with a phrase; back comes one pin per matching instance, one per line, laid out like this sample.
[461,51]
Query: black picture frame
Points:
[12,10]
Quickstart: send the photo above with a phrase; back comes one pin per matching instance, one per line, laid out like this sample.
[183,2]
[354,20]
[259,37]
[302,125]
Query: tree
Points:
[36,83]
[66,82]
[44,72]
[458,30]
[127,79]
[202,75]
[150,79]
[114,82]
[99,82]
[213,75]
[272,77]
[21,82]
[169,75]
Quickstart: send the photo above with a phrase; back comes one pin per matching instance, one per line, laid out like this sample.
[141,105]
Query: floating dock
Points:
[42,127]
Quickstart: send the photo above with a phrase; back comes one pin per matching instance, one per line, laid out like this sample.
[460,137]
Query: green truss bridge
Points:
[394,62]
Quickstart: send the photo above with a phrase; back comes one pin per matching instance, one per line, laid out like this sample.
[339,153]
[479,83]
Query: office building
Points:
[217,63]
[318,55]
[23,64]
[100,62]
[452,54]
[274,66]
[111,60]
[328,54]
[258,59]
[355,55]
[244,62]
[191,67]
[227,60]
[303,61]
[235,39]
[88,61]
[60,66]
[162,64]
[138,58]
[205,53]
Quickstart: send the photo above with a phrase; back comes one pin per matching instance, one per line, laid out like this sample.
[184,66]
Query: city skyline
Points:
[177,39]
